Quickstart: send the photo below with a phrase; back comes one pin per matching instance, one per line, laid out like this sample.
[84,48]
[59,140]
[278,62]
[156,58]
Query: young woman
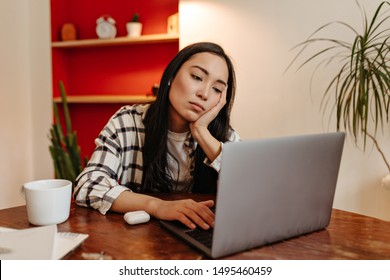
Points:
[171,145]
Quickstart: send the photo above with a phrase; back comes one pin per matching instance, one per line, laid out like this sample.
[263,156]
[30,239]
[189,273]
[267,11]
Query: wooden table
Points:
[349,236]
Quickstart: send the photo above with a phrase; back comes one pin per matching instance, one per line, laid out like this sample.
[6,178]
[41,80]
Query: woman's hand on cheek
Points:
[200,132]
[209,116]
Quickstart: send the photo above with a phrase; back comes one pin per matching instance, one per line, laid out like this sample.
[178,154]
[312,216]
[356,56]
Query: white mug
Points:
[48,201]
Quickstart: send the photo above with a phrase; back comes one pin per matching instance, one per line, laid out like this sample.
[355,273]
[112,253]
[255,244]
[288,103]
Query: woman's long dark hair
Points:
[155,178]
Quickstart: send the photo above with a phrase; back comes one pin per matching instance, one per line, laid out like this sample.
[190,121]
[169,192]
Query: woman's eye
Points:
[217,90]
[195,77]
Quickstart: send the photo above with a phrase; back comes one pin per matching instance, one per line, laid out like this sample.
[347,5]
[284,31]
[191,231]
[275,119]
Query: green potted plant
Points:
[134,27]
[360,90]
[64,149]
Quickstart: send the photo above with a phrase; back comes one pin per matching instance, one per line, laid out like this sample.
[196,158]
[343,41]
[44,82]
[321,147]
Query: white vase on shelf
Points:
[134,29]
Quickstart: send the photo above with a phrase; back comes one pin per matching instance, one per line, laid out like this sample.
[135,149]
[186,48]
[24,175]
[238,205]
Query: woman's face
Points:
[196,89]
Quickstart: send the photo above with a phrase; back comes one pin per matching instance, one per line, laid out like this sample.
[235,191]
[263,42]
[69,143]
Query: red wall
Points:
[83,13]
[119,70]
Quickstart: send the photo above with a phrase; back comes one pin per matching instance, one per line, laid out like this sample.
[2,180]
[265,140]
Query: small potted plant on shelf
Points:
[134,27]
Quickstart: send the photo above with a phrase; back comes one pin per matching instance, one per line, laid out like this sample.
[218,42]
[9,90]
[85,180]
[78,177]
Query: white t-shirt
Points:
[179,162]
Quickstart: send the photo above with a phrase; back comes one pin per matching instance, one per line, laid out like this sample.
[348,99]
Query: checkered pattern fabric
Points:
[116,164]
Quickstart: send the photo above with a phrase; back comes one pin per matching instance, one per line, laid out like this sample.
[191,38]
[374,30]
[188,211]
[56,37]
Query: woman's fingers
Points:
[186,221]
[199,219]
[211,114]
[188,212]
[208,213]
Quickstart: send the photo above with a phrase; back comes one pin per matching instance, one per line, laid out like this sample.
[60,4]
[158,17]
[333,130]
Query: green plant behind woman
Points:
[64,149]
[360,89]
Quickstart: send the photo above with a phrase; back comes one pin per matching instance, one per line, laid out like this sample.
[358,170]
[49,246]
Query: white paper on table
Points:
[38,243]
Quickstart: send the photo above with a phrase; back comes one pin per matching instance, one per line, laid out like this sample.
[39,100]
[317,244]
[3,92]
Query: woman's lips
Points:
[197,107]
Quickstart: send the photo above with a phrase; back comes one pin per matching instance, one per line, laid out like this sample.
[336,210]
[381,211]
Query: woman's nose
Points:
[202,93]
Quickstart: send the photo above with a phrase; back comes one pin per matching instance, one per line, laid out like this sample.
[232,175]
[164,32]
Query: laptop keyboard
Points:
[205,237]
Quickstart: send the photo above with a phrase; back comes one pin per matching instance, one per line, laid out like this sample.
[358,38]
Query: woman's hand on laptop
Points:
[187,211]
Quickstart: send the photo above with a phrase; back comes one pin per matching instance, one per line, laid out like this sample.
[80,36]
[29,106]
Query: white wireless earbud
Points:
[136,217]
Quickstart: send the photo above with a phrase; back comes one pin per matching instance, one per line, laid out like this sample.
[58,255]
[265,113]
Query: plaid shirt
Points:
[116,164]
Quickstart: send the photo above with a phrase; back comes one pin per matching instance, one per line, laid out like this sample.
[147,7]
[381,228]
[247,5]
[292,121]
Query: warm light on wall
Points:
[196,16]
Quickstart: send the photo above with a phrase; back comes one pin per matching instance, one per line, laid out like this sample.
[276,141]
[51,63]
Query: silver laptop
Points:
[270,190]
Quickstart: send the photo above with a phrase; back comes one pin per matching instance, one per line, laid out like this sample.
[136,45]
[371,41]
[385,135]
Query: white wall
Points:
[41,86]
[25,96]
[258,34]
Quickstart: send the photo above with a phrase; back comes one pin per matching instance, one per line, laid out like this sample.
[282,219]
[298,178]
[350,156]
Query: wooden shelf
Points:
[144,39]
[129,99]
